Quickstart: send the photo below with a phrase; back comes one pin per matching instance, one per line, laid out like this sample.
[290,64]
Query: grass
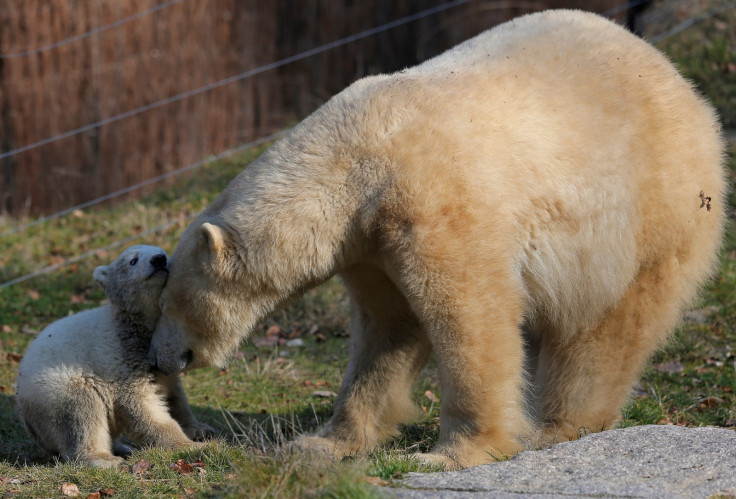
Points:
[258,403]
[265,396]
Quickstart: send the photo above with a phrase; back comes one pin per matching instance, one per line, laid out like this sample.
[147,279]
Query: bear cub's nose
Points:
[159,261]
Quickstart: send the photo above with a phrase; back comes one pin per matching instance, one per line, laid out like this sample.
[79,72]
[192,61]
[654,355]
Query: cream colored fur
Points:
[84,381]
[531,206]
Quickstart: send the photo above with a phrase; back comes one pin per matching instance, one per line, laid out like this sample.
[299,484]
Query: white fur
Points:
[528,206]
[81,383]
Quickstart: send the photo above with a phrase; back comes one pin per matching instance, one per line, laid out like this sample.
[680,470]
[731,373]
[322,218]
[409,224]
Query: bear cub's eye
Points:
[134,261]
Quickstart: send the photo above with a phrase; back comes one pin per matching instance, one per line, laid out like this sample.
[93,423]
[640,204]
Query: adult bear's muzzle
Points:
[169,364]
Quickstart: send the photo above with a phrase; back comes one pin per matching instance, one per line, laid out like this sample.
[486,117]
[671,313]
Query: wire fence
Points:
[91,32]
[685,24]
[206,88]
[691,21]
[238,77]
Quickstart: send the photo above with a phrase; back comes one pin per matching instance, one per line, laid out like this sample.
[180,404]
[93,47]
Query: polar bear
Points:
[84,380]
[535,206]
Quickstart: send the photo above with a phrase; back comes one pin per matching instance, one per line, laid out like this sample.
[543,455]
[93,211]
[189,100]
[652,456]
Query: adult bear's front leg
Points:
[471,301]
[179,408]
[389,348]
[482,415]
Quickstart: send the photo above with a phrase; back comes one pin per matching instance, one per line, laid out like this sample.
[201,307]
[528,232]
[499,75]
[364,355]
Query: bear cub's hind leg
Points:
[85,431]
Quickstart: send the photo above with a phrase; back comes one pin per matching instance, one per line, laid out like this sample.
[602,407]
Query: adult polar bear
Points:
[545,197]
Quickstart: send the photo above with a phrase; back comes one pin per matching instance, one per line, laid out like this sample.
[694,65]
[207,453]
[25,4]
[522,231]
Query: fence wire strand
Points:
[145,183]
[691,21]
[317,50]
[89,33]
[57,266]
[120,192]
[237,77]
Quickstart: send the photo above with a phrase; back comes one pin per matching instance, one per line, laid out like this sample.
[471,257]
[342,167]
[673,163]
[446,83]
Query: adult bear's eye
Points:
[134,261]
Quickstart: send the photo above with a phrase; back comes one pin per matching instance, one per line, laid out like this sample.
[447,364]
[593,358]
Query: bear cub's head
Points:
[134,281]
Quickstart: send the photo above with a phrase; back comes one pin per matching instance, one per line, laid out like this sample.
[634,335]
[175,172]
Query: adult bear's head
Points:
[208,304]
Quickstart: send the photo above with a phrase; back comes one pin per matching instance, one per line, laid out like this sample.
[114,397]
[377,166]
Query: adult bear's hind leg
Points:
[586,378]
[389,348]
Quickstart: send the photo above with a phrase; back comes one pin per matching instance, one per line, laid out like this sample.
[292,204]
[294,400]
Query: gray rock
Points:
[642,461]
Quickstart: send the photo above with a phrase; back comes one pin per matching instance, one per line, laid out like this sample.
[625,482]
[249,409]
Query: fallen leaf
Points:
[323,394]
[231,476]
[710,402]
[198,463]
[6,328]
[375,480]
[33,294]
[313,330]
[141,466]
[714,361]
[93,495]
[77,299]
[13,357]
[309,384]
[274,330]
[3,389]
[320,338]
[431,396]
[107,492]
[69,489]
[182,467]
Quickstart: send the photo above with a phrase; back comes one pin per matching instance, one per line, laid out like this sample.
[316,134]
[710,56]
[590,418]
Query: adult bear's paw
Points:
[199,431]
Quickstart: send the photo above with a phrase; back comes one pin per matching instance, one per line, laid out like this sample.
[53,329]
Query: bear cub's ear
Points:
[101,274]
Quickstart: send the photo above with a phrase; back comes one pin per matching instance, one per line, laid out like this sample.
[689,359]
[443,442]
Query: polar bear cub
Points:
[85,380]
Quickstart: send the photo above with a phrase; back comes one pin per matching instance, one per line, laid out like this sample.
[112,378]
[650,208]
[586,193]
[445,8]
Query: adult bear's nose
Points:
[159,261]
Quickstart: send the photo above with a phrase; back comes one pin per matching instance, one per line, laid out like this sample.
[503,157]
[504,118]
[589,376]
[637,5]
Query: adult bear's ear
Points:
[214,238]
[100,275]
